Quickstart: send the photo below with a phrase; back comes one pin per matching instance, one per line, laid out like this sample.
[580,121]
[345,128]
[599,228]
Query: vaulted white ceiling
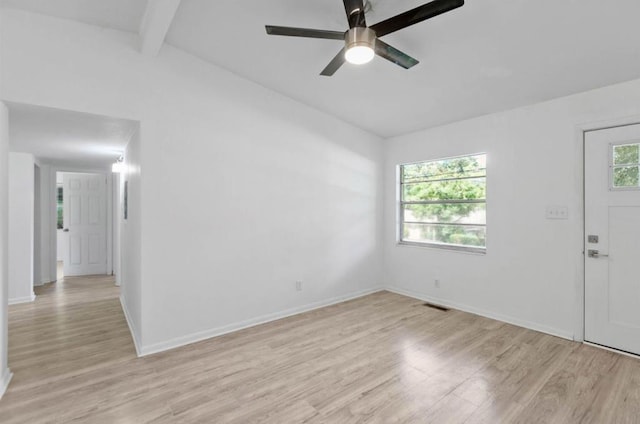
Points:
[487,56]
[124,15]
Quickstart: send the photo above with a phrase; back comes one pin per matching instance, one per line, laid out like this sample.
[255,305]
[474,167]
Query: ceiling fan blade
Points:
[394,55]
[304,32]
[334,65]
[355,13]
[413,16]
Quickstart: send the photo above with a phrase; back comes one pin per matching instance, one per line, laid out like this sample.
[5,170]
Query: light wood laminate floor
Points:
[383,358]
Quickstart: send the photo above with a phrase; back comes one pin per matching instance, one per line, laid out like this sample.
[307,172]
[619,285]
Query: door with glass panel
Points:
[612,237]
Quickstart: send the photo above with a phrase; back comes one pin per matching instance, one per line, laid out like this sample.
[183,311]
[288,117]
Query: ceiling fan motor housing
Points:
[360,36]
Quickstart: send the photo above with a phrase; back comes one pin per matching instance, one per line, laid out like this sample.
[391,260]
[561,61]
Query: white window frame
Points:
[401,203]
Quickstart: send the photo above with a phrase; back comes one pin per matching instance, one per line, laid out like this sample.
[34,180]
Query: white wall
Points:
[130,239]
[531,273]
[21,197]
[116,205]
[243,191]
[5,373]
[42,225]
[47,223]
[37,212]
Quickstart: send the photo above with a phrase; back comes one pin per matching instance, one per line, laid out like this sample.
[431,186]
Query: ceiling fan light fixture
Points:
[361,42]
[359,45]
[359,55]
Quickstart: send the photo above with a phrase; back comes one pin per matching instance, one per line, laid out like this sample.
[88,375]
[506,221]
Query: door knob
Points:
[66,230]
[592,253]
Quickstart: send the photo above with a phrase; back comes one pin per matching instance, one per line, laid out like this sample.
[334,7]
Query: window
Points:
[59,209]
[626,166]
[443,203]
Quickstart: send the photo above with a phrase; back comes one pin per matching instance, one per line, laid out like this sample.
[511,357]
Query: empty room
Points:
[321,211]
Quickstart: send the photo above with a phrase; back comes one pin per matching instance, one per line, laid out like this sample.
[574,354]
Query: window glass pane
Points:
[464,189]
[443,201]
[459,213]
[626,176]
[626,154]
[60,224]
[467,166]
[458,235]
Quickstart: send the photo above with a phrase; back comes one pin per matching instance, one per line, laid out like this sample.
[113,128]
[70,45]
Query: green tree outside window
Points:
[443,202]
[626,165]
[60,225]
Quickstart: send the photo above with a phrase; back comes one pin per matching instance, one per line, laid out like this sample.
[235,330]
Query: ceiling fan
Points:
[362,43]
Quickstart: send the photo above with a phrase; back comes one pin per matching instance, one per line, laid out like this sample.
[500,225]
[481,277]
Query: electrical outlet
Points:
[436,283]
[299,285]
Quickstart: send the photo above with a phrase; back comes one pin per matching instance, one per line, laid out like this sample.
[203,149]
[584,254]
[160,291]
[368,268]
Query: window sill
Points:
[443,247]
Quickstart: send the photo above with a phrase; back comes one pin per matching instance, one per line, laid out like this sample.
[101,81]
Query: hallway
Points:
[60,346]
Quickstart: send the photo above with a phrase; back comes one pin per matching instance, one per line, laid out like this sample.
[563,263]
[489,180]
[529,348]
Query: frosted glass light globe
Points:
[359,55]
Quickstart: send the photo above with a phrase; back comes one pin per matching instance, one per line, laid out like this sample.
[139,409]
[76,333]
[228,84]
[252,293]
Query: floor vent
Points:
[438,307]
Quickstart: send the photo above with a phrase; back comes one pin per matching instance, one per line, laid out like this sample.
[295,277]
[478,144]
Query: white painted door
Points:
[612,238]
[85,206]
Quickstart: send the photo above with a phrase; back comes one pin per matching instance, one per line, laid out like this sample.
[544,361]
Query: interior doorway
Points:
[63,141]
[612,231]
[82,224]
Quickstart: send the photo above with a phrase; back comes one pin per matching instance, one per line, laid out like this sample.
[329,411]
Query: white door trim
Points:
[580,131]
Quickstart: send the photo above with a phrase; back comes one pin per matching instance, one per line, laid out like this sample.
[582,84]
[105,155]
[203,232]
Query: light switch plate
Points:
[557,212]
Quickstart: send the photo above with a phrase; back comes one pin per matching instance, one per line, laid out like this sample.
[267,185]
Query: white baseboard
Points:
[487,314]
[4,381]
[132,328]
[46,281]
[215,332]
[219,331]
[26,299]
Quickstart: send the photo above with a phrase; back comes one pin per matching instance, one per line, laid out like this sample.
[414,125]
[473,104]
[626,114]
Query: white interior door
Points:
[85,206]
[612,238]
